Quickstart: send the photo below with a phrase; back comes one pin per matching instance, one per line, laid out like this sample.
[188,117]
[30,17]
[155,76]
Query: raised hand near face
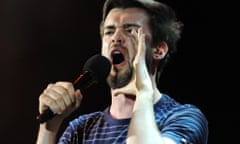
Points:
[143,80]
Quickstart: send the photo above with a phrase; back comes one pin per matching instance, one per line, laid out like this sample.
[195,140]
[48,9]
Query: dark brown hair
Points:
[162,19]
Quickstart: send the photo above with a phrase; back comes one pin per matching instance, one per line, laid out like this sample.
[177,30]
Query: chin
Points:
[128,89]
[120,79]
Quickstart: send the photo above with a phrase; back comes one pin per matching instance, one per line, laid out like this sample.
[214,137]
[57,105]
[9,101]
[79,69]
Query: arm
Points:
[46,134]
[62,99]
[184,124]
[143,128]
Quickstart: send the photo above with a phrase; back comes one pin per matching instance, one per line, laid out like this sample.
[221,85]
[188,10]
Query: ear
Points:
[160,51]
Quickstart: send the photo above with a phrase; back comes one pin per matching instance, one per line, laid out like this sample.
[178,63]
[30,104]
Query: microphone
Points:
[95,69]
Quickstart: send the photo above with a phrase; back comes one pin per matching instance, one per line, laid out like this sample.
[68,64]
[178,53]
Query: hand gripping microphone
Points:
[95,69]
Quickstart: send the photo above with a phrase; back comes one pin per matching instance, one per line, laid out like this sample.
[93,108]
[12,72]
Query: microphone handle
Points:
[46,115]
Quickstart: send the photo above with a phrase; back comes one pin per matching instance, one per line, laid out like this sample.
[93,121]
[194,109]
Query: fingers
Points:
[66,88]
[141,46]
[142,76]
[59,97]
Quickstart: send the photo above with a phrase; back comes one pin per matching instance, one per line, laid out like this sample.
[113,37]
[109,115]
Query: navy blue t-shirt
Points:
[184,123]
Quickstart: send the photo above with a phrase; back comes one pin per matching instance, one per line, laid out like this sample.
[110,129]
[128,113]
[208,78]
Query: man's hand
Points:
[60,98]
[143,81]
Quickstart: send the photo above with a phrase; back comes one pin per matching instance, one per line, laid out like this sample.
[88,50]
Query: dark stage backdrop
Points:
[43,41]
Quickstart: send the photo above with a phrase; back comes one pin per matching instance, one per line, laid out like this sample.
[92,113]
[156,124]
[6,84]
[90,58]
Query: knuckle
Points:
[50,102]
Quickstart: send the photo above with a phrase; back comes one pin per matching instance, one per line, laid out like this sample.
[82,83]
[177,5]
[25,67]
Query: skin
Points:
[137,98]
[134,98]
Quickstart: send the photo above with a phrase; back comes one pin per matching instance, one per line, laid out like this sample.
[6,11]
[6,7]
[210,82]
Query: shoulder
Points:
[182,120]
[171,107]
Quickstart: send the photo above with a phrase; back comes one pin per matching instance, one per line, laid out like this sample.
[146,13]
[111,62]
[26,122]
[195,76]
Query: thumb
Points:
[78,98]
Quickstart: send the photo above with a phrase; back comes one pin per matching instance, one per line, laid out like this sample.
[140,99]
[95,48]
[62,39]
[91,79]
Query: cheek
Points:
[132,53]
[132,50]
[105,48]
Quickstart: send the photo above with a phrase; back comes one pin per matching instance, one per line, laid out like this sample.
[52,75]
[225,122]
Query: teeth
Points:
[116,52]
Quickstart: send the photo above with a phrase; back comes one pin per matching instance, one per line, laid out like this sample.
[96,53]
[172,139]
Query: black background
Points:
[43,41]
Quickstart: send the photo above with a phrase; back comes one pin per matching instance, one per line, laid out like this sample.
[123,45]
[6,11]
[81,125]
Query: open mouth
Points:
[117,57]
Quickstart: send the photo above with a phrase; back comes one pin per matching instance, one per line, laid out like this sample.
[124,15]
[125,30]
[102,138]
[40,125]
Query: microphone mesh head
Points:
[99,67]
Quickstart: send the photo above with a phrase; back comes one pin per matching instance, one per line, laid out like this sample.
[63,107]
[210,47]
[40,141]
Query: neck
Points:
[122,106]
[123,99]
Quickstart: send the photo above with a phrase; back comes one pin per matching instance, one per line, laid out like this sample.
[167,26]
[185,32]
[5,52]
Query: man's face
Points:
[119,43]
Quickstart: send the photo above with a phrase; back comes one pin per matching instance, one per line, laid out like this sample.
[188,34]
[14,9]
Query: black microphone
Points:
[95,69]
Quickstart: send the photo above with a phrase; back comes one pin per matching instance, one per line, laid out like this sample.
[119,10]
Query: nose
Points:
[118,37]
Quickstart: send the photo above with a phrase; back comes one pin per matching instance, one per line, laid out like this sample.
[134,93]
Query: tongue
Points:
[117,58]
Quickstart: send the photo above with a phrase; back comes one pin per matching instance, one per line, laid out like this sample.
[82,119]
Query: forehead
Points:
[118,17]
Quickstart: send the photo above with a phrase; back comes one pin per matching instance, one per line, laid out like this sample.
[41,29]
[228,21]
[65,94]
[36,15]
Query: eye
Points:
[108,32]
[129,30]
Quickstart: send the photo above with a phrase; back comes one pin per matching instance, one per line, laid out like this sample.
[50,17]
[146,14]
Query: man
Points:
[138,37]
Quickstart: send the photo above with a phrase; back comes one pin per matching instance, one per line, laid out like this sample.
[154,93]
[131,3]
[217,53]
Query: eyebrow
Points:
[124,26]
